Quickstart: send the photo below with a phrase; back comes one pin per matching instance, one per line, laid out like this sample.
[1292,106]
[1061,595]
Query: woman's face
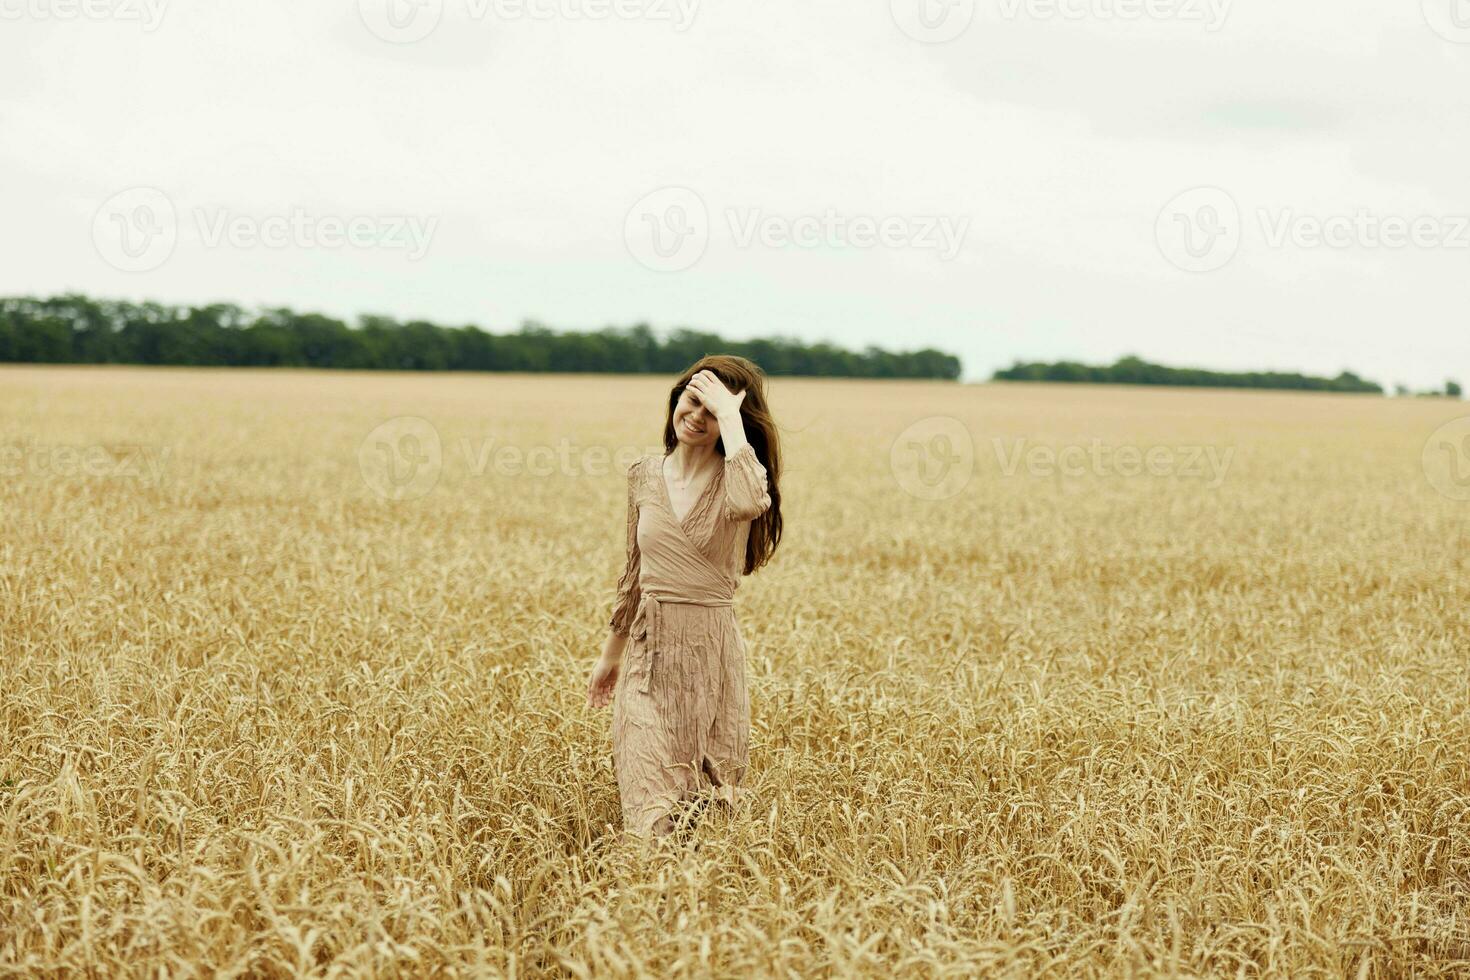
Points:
[694,425]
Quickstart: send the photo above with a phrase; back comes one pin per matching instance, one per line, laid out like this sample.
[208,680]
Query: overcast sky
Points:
[1250,184]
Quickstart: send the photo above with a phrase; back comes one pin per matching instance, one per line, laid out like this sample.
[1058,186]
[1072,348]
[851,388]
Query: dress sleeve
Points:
[625,605]
[747,493]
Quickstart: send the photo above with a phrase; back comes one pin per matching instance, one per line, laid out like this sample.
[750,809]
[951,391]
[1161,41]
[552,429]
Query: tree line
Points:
[1135,371]
[74,329]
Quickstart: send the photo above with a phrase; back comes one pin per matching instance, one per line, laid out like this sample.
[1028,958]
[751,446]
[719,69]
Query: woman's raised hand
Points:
[721,403]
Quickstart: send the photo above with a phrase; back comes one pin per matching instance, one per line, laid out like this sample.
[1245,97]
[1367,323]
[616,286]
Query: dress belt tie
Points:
[652,630]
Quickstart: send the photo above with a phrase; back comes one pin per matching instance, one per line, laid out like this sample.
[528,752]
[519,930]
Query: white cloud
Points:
[529,139]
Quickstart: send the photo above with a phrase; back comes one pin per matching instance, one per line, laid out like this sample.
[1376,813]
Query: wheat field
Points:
[264,714]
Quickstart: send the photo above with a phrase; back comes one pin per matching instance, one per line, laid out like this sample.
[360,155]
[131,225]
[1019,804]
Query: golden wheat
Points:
[258,719]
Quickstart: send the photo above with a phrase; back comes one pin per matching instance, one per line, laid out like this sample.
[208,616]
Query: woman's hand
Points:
[604,680]
[723,405]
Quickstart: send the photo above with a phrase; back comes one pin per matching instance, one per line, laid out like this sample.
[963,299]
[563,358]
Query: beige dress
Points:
[680,713]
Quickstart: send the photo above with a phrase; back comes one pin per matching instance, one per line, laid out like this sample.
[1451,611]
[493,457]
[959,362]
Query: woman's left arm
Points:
[725,406]
[747,490]
[732,432]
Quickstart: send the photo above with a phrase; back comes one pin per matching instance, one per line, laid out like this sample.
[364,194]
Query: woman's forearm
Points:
[732,433]
[613,648]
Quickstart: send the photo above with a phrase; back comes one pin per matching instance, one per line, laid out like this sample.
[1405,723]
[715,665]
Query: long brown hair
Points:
[739,374]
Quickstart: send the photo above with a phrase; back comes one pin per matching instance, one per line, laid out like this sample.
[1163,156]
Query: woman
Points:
[699,517]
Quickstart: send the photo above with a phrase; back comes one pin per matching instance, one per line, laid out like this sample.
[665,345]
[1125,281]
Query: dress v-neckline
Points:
[663,483]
